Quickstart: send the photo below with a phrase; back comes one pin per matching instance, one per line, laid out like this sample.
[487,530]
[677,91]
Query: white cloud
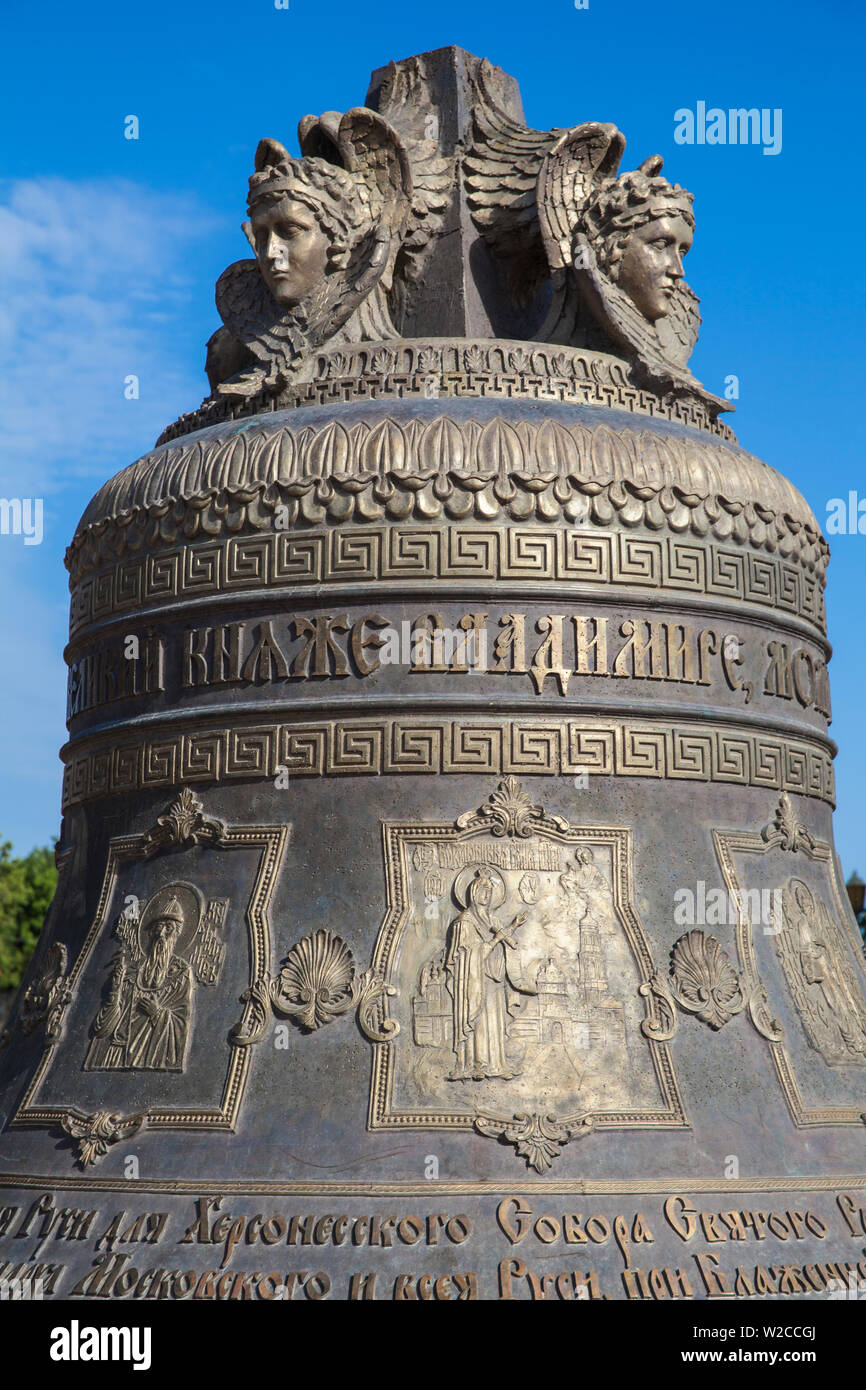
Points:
[94,278]
[97,281]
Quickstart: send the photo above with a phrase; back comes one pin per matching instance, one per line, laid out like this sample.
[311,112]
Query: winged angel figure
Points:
[326,230]
[551,203]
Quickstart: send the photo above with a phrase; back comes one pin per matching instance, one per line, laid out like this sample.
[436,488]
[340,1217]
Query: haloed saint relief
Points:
[167,1028]
[527,983]
[820,977]
[166,951]
[482,975]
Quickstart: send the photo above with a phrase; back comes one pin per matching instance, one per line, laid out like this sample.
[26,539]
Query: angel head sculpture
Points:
[640,228]
[304,217]
[612,245]
[326,229]
[630,238]
[615,244]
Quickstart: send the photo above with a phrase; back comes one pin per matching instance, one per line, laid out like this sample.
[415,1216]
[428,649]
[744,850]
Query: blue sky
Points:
[109,250]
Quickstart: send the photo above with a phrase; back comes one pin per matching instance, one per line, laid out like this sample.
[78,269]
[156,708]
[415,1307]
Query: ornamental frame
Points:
[537,1137]
[787,833]
[182,825]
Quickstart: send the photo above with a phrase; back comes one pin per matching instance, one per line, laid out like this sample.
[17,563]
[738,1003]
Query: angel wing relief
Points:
[326,230]
[612,244]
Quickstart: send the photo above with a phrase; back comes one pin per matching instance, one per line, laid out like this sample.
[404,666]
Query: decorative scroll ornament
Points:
[703,981]
[182,825]
[537,1138]
[96,1133]
[317,983]
[509,810]
[785,830]
[48,995]
[706,982]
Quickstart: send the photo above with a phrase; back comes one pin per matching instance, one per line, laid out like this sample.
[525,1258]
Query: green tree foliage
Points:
[26,889]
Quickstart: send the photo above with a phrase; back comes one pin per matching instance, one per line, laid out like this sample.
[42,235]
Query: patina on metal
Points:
[448,906]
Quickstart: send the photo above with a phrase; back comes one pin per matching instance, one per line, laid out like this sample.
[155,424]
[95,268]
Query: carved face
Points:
[163,937]
[652,263]
[291,249]
[482,891]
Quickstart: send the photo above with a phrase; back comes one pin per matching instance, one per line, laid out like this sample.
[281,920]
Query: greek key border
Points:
[396,554]
[430,368]
[402,744]
[248,481]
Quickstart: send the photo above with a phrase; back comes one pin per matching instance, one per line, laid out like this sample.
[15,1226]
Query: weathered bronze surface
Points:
[448,906]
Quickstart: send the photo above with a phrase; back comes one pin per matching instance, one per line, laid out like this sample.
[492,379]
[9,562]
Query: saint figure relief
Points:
[159,1017]
[525,982]
[821,978]
[145,1023]
[482,978]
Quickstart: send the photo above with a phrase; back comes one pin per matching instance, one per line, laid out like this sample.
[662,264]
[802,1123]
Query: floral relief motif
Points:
[702,981]
[317,982]
[96,1133]
[443,467]
[706,982]
[785,830]
[537,1138]
[48,996]
[184,823]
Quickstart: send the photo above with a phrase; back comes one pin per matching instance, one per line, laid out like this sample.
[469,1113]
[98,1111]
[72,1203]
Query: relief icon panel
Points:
[150,1029]
[514,999]
[517,960]
[820,976]
[808,958]
[166,952]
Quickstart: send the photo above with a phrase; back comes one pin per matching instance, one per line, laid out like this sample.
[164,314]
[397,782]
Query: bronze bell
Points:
[447,840]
